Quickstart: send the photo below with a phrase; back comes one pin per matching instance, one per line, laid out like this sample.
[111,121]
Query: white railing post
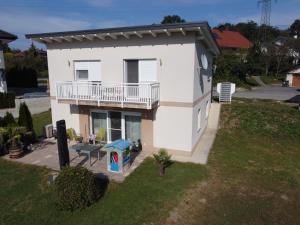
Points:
[76,93]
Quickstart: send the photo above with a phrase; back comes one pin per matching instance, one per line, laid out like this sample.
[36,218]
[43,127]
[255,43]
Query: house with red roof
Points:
[231,40]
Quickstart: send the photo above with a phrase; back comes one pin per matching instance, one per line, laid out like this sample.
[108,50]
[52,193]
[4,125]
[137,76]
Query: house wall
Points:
[202,91]
[183,86]
[174,56]
[3,87]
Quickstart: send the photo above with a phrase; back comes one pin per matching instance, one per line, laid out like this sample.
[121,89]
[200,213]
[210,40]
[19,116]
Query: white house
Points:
[149,83]
[4,39]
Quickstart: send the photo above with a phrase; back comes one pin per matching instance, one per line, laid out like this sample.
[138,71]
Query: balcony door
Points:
[139,72]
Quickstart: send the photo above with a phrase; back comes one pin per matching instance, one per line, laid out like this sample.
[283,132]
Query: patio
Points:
[45,154]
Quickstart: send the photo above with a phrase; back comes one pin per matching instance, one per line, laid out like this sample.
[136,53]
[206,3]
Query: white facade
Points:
[180,63]
[3,87]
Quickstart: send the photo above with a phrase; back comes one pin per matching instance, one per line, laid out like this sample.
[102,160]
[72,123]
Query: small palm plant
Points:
[163,159]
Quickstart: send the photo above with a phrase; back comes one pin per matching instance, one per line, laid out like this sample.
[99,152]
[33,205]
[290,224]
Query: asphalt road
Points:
[35,105]
[274,92]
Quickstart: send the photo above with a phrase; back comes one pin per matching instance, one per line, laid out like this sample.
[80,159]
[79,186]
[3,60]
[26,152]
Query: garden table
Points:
[85,149]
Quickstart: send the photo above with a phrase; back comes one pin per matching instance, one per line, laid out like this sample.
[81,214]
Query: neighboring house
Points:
[231,40]
[5,38]
[293,76]
[149,83]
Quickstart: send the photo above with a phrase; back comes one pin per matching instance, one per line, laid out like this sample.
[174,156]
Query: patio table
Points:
[86,149]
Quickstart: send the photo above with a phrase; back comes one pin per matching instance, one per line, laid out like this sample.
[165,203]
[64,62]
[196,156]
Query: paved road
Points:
[35,105]
[274,92]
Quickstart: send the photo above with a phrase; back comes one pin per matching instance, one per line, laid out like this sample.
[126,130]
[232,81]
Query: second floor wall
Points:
[171,58]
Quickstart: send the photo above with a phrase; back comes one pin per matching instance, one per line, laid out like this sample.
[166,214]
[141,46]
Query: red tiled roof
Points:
[231,39]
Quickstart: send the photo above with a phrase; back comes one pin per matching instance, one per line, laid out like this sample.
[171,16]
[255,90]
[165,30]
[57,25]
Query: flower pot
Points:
[15,153]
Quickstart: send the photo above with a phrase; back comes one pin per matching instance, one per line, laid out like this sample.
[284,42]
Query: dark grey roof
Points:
[7,36]
[120,29]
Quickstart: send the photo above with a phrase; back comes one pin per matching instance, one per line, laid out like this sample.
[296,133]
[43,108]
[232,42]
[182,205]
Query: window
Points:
[88,70]
[199,120]
[207,109]
[82,74]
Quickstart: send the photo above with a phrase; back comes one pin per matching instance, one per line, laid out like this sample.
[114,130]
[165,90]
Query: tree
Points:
[295,28]
[25,119]
[163,159]
[172,19]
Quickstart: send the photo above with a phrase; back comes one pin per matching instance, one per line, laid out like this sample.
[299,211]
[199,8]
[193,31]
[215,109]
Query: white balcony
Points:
[136,95]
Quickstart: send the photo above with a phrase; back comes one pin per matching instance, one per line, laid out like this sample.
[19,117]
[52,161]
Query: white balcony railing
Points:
[137,93]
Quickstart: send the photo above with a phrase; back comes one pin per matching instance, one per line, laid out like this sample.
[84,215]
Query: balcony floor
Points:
[108,104]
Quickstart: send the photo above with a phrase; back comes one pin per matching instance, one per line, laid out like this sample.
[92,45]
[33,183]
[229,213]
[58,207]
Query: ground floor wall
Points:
[69,113]
[169,126]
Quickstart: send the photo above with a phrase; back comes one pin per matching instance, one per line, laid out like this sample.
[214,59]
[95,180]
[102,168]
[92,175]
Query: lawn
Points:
[252,177]
[254,169]
[144,197]
[40,120]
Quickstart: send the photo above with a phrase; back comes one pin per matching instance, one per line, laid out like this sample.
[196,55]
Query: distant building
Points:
[293,76]
[5,38]
[231,40]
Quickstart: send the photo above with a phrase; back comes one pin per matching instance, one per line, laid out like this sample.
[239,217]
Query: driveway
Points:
[35,105]
[274,92]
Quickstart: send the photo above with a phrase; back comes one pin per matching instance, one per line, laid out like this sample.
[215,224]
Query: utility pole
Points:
[265,17]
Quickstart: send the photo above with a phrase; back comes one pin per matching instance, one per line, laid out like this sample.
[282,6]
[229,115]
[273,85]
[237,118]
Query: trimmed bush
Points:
[7,100]
[77,188]
[25,118]
[9,120]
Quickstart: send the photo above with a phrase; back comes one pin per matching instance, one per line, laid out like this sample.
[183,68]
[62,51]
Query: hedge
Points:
[7,100]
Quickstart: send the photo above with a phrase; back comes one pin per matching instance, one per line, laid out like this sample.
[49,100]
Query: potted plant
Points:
[15,148]
[163,159]
[101,136]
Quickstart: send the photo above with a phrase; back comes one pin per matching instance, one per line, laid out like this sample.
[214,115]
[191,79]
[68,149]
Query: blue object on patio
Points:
[118,155]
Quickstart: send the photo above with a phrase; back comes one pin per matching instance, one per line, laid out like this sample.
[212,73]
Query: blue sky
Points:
[35,16]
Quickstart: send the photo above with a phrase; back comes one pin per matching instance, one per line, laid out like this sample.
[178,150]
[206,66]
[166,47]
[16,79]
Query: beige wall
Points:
[175,61]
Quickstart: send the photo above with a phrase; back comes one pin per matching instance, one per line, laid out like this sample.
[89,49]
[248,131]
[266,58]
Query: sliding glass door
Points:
[118,125]
[132,128]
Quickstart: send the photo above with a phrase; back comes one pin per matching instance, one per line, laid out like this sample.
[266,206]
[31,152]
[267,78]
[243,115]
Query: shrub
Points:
[25,118]
[4,136]
[21,77]
[163,159]
[7,100]
[77,188]
[9,120]
[28,138]
[71,134]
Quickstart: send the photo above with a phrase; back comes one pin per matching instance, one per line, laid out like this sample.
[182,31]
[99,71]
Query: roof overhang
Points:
[202,30]
[6,37]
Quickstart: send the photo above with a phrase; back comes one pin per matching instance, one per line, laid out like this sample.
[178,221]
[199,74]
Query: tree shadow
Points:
[102,183]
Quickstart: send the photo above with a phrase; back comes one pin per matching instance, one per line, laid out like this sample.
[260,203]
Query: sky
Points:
[21,17]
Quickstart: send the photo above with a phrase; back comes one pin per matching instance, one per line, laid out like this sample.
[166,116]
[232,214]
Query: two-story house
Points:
[5,38]
[149,83]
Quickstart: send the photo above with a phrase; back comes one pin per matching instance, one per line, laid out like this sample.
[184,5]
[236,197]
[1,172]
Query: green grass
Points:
[144,197]
[254,167]
[40,120]
[252,177]
[272,79]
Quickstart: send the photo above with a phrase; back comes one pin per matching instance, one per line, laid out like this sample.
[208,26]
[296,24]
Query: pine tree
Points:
[9,120]
[25,119]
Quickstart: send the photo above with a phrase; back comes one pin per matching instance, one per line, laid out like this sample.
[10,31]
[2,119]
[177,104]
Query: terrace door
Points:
[115,128]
